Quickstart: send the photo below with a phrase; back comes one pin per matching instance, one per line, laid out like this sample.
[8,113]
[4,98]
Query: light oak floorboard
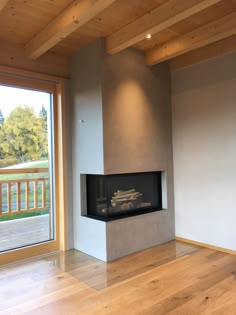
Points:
[173,278]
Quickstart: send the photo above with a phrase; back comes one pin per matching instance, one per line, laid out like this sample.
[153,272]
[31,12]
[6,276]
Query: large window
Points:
[31,134]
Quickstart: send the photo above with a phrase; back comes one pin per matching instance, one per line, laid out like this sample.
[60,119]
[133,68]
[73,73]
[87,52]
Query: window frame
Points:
[55,85]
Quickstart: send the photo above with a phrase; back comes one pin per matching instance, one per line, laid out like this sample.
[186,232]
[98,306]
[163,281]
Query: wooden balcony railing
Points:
[25,194]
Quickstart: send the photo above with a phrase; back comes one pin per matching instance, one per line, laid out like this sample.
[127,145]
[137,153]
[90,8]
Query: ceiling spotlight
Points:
[149,36]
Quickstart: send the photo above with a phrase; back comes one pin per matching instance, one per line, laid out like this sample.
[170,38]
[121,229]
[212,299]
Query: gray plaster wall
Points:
[86,97]
[137,131]
[204,138]
[133,234]
[136,114]
[68,120]
[87,140]
[126,111]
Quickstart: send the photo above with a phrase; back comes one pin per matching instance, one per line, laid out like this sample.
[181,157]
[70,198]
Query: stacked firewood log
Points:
[126,199]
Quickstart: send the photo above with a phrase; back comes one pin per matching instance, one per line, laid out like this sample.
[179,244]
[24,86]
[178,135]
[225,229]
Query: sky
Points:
[10,97]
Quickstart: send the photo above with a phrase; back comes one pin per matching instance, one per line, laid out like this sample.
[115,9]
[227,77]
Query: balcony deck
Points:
[24,190]
[23,232]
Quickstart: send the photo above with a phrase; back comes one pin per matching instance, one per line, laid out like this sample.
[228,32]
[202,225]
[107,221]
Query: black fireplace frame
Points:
[126,214]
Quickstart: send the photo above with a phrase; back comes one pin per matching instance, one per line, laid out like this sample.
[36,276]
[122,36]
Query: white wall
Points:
[204,146]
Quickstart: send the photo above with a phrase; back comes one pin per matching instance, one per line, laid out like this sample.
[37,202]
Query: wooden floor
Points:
[173,278]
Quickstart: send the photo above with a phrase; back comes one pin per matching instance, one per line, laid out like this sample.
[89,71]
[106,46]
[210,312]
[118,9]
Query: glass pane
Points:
[115,196]
[26,168]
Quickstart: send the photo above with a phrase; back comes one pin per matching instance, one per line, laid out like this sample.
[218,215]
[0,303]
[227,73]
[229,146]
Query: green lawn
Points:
[30,164]
[34,164]
[39,164]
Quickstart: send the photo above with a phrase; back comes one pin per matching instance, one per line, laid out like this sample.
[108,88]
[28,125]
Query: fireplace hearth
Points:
[111,197]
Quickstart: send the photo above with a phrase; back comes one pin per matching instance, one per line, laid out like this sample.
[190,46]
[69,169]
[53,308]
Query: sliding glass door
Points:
[27,196]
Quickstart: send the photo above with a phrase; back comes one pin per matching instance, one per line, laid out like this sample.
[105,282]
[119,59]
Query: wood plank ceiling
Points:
[183,31]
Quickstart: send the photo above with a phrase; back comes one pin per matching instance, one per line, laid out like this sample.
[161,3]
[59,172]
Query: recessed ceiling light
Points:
[149,36]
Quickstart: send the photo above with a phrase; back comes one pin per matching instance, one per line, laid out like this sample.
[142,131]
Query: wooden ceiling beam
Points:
[3,3]
[13,55]
[168,14]
[205,35]
[219,48]
[72,18]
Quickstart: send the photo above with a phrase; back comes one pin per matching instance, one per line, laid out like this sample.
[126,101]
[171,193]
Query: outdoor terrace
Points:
[24,207]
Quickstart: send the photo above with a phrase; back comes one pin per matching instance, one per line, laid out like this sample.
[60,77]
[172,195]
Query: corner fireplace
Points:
[111,197]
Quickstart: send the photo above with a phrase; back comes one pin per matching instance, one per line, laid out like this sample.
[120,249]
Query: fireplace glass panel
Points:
[111,197]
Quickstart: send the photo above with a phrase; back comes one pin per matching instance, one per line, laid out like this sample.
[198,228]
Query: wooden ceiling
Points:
[42,32]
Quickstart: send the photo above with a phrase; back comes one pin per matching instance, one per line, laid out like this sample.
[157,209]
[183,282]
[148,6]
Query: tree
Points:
[43,113]
[1,118]
[23,135]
